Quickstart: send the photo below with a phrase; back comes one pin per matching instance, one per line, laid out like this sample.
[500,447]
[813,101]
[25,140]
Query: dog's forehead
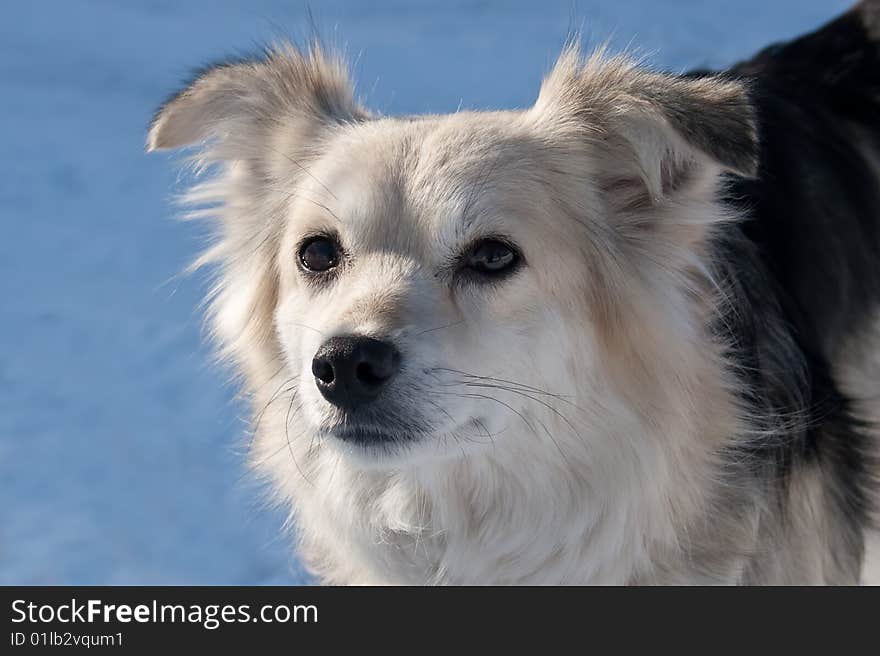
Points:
[433,173]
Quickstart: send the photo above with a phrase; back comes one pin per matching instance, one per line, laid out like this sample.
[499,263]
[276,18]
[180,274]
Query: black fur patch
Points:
[805,266]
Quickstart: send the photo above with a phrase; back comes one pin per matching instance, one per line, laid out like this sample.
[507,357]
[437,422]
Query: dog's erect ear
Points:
[654,131]
[244,99]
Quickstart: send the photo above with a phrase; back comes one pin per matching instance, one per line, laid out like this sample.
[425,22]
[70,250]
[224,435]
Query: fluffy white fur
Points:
[576,410]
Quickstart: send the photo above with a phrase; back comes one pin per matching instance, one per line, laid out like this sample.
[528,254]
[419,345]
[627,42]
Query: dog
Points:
[629,335]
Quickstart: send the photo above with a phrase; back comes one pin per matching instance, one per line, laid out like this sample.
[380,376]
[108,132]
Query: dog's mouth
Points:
[372,437]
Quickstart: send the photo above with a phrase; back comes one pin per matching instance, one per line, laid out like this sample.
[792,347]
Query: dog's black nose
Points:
[351,370]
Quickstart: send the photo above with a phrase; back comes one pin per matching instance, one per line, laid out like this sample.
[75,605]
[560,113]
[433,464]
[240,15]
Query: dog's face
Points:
[425,281]
[423,277]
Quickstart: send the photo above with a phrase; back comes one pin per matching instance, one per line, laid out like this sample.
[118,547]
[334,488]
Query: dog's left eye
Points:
[491,257]
[319,254]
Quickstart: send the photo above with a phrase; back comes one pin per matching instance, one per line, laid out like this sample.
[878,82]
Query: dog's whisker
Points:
[288,385]
[526,387]
[304,169]
[256,464]
[474,395]
[543,425]
[448,325]
[314,202]
[489,436]
[524,391]
[527,396]
[272,376]
[306,326]
[287,437]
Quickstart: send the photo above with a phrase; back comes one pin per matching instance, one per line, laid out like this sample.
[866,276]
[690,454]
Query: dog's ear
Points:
[654,132]
[243,100]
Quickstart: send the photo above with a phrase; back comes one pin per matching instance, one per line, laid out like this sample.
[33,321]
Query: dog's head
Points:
[429,285]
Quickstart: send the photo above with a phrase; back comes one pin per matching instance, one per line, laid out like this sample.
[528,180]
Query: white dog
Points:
[624,336]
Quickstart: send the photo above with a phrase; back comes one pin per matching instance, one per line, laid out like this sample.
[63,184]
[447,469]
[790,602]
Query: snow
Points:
[120,445]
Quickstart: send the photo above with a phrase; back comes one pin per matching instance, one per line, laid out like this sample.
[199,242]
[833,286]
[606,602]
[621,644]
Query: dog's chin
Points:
[379,448]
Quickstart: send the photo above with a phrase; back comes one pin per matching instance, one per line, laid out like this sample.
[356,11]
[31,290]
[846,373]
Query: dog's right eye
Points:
[319,254]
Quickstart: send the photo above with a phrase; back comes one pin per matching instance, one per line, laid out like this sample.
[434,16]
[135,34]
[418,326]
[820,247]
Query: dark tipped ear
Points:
[654,130]
[237,98]
[711,114]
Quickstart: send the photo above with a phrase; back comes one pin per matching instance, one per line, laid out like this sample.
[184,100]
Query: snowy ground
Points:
[119,457]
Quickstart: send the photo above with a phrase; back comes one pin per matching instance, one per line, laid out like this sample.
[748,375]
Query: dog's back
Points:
[813,234]
[815,202]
